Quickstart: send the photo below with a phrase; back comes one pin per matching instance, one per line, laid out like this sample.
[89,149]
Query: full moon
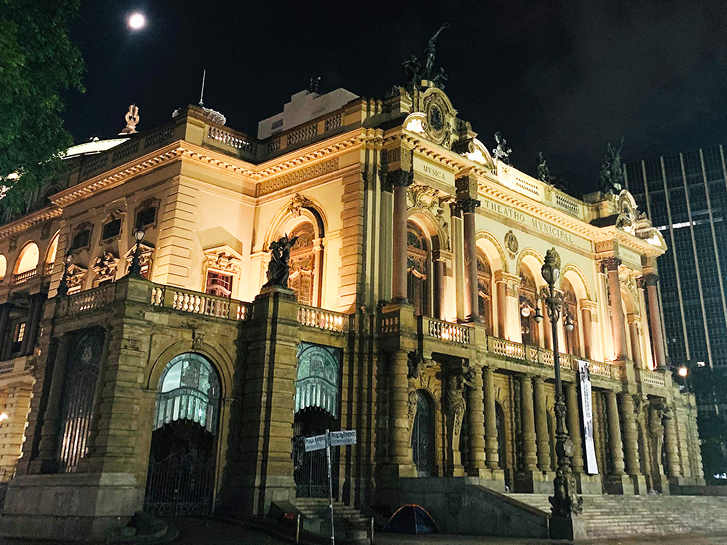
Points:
[136,21]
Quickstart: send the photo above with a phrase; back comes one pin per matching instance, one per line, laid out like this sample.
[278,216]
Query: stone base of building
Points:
[467,506]
[73,506]
[250,496]
[589,484]
[659,483]
[625,485]
[534,482]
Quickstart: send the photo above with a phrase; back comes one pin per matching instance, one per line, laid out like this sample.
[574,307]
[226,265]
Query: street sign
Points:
[344,437]
[315,443]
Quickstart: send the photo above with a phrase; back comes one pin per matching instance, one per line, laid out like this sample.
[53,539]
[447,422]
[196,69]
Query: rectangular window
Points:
[111,229]
[81,240]
[219,284]
[147,216]
[20,332]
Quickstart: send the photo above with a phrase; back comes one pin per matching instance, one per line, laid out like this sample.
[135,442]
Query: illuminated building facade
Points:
[410,317]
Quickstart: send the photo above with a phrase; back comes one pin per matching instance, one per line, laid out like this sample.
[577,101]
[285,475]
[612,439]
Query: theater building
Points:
[409,317]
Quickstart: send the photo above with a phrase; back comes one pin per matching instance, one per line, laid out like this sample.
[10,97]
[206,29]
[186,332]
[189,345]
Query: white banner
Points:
[584,376]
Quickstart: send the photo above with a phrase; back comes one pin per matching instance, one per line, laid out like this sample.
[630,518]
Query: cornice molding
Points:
[26,222]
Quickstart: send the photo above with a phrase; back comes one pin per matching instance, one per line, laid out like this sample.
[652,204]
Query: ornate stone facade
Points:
[422,315]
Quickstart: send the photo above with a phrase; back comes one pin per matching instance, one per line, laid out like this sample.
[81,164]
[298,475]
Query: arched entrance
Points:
[316,410]
[422,434]
[181,473]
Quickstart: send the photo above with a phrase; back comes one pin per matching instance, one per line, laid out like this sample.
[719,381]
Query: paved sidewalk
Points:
[687,539]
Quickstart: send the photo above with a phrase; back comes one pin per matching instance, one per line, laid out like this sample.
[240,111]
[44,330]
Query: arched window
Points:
[3,266]
[484,290]
[27,261]
[528,325]
[50,255]
[417,268]
[189,388]
[303,264]
[570,308]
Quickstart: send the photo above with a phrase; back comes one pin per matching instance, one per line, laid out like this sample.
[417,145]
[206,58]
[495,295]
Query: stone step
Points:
[619,516]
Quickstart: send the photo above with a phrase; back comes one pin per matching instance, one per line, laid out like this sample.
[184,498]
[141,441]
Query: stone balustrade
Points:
[199,303]
[91,299]
[24,277]
[322,319]
[448,331]
[654,378]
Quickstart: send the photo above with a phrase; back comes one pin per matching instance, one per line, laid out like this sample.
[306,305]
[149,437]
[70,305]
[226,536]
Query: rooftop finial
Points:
[132,120]
[416,71]
[201,95]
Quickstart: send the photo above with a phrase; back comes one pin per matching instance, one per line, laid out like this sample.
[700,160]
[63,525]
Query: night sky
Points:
[562,77]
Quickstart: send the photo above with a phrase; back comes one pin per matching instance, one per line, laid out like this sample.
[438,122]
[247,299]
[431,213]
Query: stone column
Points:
[541,425]
[470,258]
[587,307]
[657,339]
[630,434]
[439,266]
[574,426]
[491,446]
[634,321]
[530,459]
[400,181]
[4,326]
[614,431]
[673,461]
[501,288]
[476,426]
[400,454]
[45,461]
[31,328]
[17,405]
[458,260]
[618,321]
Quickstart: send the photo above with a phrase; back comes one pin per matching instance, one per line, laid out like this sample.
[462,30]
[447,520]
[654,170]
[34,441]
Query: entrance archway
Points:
[316,410]
[422,435]
[181,473]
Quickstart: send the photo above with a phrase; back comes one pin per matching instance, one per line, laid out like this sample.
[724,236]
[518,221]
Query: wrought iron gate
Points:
[310,470]
[420,436]
[180,484]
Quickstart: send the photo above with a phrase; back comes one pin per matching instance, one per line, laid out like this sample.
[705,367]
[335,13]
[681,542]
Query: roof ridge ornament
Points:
[132,120]
[612,177]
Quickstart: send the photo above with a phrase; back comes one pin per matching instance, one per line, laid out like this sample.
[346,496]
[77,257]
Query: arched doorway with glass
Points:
[317,399]
[181,475]
[422,434]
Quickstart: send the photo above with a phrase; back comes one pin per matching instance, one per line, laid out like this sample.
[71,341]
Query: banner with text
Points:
[584,380]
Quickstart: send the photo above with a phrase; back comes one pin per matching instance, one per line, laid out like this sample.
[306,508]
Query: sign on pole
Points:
[344,437]
[584,381]
[315,443]
[326,441]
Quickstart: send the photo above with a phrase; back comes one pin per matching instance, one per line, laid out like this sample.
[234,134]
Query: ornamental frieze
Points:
[288,180]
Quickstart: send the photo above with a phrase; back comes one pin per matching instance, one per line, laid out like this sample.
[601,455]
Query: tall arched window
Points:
[50,256]
[484,290]
[303,264]
[528,325]
[570,308]
[417,277]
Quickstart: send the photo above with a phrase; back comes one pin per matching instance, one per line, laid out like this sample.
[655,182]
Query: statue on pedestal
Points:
[612,177]
[502,151]
[279,268]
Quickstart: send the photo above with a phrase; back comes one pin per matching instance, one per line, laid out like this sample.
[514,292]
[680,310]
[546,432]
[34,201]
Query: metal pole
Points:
[330,485]
[297,530]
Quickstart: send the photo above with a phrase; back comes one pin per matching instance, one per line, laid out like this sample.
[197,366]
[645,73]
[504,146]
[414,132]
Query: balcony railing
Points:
[24,277]
[653,378]
[200,303]
[85,301]
[322,319]
[448,331]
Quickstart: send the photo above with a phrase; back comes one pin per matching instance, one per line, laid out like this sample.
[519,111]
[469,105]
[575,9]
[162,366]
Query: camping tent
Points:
[411,519]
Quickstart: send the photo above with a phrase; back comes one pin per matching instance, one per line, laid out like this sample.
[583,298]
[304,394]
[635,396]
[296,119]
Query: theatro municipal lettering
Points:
[530,221]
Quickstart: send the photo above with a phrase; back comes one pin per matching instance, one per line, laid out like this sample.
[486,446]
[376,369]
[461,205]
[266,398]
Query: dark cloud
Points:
[564,77]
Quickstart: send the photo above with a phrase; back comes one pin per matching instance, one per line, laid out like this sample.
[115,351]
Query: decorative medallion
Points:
[511,244]
[436,111]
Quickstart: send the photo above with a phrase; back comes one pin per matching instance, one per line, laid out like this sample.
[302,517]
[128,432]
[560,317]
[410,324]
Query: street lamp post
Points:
[565,502]
[135,268]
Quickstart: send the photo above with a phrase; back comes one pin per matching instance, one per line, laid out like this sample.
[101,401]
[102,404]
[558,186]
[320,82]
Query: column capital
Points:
[455,209]
[587,304]
[400,178]
[501,276]
[441,255]
[649,279]
[539,379]
[633,318]
[610,263]
[468,205]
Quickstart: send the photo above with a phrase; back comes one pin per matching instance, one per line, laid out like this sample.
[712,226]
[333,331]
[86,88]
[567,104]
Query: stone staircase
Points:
[351,525]
[622,516]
